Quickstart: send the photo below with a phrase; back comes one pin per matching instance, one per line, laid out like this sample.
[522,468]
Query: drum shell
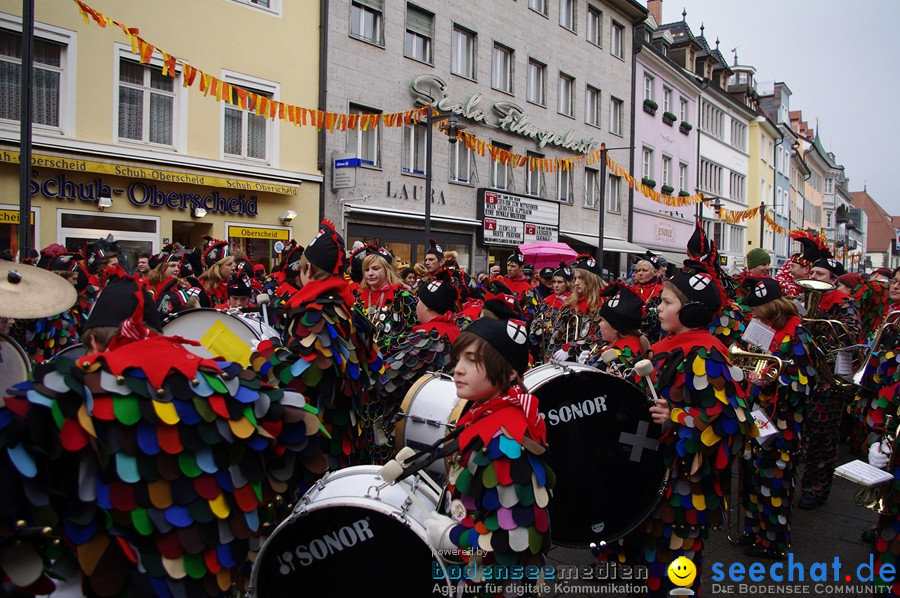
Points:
[346,537]
[430,408]
[14,364]
[604,449]
[194,323]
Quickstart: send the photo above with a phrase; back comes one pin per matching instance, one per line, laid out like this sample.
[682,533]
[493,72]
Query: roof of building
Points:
[881,230]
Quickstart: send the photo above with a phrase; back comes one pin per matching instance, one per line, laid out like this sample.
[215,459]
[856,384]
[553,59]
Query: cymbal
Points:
[30,292]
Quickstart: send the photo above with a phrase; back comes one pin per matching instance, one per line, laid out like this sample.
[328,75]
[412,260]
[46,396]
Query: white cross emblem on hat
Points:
[760,290]
[591,263]
[434,285]
[614,302]
[516,332]
[699,282]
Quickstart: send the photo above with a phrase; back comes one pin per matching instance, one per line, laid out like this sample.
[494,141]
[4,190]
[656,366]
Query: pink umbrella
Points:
[541,254]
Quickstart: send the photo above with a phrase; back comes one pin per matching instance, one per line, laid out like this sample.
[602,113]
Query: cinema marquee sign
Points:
[511,116]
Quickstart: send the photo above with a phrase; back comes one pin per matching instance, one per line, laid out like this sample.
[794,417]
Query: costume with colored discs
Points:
[707,398]
[155,466]
[771,467]
[500,486]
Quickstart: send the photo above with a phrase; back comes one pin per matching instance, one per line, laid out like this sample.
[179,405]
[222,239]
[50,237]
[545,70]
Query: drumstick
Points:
[643,368]
[609,356]
[261,300]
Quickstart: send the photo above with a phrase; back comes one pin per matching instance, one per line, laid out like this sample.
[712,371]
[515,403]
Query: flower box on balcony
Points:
[666,189]
[685,127]
[650,107]
[683,193]
[669,118]
[648,182]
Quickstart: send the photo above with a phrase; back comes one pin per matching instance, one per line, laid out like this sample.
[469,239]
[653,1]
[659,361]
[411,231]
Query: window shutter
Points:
[418,21]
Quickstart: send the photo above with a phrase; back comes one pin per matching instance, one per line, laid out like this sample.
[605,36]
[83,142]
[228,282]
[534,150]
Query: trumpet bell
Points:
[812,284]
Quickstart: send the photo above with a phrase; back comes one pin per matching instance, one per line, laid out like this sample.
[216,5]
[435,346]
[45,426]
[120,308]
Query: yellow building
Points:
[764,136]
[122,147]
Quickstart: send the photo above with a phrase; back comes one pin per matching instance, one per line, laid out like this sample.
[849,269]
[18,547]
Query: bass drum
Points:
[429,411]
[72,352]
[220,334]
[347,537]
[604,448]
[14,364]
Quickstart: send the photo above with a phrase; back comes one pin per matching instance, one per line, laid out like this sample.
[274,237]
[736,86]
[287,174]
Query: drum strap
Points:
[432,454]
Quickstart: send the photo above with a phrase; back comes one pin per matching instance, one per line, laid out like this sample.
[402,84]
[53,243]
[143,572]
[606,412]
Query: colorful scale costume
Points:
[771,468]
[156,467]
[392,312]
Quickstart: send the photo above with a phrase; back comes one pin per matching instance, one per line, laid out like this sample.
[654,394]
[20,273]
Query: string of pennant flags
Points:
[211,86]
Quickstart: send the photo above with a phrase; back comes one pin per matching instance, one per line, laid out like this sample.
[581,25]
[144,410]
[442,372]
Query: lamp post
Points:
[25,122]
[453,127]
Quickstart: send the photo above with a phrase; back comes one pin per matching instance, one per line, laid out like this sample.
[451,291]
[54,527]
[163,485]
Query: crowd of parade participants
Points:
[137,467]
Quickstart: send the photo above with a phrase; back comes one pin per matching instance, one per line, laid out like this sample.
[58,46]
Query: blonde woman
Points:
[577,329]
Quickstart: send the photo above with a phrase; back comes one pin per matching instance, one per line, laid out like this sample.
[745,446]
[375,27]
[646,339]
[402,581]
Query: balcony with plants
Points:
[650,107]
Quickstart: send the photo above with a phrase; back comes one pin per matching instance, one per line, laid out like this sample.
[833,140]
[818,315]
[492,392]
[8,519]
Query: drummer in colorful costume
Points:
[703,402]
[770,464]
[329,355]
[620,323]
[156,467]
[499,483]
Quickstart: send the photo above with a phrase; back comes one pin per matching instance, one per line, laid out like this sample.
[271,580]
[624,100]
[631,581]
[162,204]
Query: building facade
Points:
[534,79]
[774,102]
[121,146]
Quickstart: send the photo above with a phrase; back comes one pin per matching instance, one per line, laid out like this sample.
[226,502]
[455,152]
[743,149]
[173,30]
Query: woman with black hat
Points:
[620,323]
[770,463]
[547,313]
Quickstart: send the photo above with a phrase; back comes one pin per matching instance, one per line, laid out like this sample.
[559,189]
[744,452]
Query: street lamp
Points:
[453,127]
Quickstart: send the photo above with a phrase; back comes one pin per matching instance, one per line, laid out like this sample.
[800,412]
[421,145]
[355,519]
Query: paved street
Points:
[832,530]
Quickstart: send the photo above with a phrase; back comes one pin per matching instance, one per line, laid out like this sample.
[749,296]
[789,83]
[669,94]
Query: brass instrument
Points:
[828,337]
[761,368]
[875,497]
[892,322]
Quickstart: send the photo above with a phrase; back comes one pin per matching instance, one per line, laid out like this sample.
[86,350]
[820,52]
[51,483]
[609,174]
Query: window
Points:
[648,87]
[666,171]
[594,25]
[614,194]
[501,69]
[146,103]
[535,183]
[683,177]
[413,151]
[683,112]
[501,174]
[538,6]
[737,187]
[463,58]
[736,234]
[366,21]
[829,185]
[828,219]
[592,106]
[46,84]
[591,187]
[667,99]
[462,164]
[566,95]
[419,33]
[739,136]
[535,92]
[712,120]
[247,135]
[710,177]
[565,186]
[366,145]
[647,163]
[272,6]
[617,35]
[567,14]
[615,116]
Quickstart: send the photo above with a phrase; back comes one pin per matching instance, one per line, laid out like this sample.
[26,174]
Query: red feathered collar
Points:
[687,341]
[789,327]
[317,288]
[516,412]
[627,342]
[157,356]
[832,298]
[445,325]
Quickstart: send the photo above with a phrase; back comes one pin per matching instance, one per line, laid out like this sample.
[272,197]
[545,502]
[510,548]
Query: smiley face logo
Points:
[682,571]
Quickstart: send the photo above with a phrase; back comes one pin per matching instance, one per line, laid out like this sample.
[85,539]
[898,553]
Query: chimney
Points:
[655,8]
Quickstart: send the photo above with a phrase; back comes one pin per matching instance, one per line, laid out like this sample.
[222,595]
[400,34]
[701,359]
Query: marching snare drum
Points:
[348,537]
[603,448]
[14,364]
[430,409]
[217,331]
[72,352]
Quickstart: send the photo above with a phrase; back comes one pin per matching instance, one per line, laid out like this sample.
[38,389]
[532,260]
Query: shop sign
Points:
[152,174]
[270,234]
[512,117]
[12,217]
[343,173]
[141,193]
[511,220]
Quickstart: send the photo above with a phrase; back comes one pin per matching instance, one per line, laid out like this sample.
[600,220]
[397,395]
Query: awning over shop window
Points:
[609,243]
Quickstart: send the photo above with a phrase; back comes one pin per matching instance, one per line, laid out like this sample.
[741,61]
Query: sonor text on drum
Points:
[586,408]
[323,547]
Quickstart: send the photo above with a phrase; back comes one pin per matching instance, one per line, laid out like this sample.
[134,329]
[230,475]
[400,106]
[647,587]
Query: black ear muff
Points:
[694,314]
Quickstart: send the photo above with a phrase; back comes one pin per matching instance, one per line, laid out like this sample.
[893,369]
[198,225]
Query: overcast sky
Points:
[839,60]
